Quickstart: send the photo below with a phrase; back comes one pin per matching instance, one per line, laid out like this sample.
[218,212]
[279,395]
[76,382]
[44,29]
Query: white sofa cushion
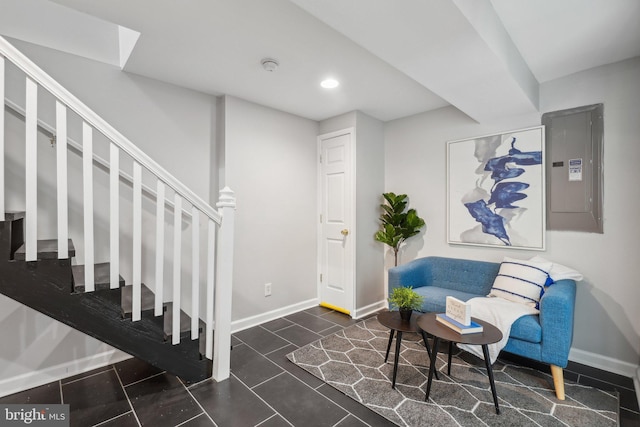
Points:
[521,281]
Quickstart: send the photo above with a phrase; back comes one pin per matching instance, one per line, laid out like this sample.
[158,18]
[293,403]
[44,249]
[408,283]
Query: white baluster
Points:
[137,242]
[87,179]
[114,216]
[177,267]
[61,162]
[195,272]
[160,187]
[224,282]
[2,207]
[31,170]
[211,261]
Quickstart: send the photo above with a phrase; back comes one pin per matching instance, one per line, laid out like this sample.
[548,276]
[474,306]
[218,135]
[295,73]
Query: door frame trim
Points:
[351,131]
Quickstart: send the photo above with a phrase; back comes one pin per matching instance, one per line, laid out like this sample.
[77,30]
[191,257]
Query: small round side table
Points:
[391,320]
[490,334]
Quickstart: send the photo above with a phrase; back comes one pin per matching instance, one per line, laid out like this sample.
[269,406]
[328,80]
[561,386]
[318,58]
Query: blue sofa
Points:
[545,337]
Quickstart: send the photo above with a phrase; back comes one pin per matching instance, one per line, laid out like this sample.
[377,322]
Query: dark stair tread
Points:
[46,286]
[47,249]
[143,339]
[147,304]
[185,323]
[13,215]
[101,277]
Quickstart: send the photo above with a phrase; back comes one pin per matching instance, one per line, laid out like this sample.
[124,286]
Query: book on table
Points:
[473,328]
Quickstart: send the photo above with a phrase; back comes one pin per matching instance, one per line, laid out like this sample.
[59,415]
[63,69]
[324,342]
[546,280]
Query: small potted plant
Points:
[406,300]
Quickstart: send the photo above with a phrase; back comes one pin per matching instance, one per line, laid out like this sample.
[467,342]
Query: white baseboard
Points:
[249,322]
[605,363]
[54,373]
[369,309]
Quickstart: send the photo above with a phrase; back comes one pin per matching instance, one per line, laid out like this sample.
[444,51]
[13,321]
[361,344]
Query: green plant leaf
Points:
[405,297]
[397,225]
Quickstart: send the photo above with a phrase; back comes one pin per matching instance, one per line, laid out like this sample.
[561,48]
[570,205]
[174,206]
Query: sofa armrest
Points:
[557,307]
[416,273]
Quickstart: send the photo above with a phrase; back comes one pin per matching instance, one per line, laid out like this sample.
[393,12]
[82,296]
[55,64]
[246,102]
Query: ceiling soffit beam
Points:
[458,50]
[51,25]
[483,17]
[127,39]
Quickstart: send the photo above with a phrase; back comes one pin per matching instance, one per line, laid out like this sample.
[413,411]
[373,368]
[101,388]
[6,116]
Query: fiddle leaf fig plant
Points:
[396,224]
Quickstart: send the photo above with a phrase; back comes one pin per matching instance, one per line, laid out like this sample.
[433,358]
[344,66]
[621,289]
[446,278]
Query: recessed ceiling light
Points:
[330,83]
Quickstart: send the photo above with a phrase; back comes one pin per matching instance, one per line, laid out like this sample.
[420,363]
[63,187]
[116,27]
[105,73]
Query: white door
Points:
[336,231]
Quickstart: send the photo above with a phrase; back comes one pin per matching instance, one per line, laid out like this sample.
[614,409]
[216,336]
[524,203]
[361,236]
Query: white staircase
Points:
[207,295]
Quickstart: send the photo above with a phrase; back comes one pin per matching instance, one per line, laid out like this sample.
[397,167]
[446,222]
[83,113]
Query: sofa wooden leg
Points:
[558,381]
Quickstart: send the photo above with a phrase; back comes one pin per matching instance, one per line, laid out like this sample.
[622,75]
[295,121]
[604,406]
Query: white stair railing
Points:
[219,252]
[61,161]
[31,170]
[2,208]
[87,191]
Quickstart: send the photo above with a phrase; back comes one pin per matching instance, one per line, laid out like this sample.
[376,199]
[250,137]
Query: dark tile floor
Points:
[264,390]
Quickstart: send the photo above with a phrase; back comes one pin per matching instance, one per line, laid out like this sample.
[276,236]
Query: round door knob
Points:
[344,232]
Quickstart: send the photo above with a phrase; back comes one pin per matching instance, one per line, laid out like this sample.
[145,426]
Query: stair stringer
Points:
[46,286]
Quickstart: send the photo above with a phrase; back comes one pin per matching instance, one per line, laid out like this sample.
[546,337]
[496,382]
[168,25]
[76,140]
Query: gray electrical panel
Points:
[574,146]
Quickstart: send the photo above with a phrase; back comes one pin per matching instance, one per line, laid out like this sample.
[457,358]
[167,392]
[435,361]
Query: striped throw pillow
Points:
[521,281]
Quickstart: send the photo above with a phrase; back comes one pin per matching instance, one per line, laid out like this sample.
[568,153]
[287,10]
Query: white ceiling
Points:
[394,58]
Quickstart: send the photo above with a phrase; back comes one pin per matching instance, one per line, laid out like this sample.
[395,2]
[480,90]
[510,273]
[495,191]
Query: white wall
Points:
[173,125]
[270,162]
[369,183]
[607,327]
[607,319]
[369,189]
[343,121]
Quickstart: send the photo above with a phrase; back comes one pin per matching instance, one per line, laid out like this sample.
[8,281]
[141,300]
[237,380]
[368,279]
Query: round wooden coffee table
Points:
[490,334]
[392,320]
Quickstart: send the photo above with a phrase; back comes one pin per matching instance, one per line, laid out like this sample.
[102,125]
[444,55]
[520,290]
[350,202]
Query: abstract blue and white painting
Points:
[496,190]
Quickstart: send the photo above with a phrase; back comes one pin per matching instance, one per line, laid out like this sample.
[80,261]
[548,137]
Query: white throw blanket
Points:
[501,313]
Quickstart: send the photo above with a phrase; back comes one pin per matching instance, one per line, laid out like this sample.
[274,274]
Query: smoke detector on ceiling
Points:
[269,64]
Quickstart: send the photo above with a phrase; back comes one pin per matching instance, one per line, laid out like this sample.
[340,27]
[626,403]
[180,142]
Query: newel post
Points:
[223,290]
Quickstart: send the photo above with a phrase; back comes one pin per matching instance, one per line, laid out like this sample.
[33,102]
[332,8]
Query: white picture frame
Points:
[496,190]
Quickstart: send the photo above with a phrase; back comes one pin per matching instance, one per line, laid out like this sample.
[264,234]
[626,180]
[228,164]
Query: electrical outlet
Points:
[267,289]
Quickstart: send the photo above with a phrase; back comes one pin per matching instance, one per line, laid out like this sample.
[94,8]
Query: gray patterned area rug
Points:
[352,361]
